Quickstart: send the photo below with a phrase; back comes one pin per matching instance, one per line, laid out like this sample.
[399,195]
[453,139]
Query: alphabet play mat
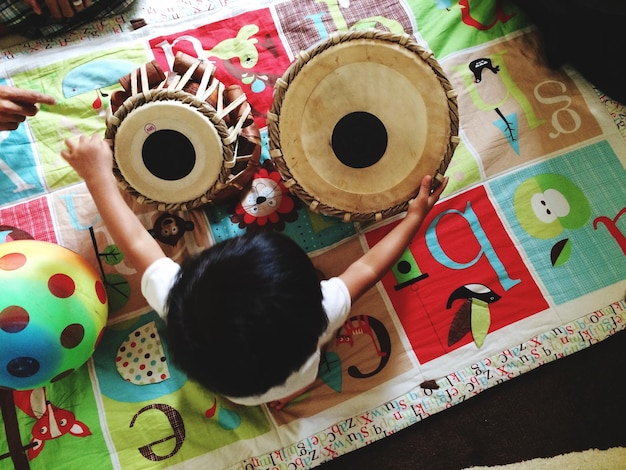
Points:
[521,262]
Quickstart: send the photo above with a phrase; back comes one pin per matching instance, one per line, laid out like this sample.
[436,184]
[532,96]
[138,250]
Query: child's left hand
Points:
[425,200]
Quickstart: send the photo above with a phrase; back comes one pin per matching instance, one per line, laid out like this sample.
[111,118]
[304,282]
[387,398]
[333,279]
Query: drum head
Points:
[168,151]
[361,123]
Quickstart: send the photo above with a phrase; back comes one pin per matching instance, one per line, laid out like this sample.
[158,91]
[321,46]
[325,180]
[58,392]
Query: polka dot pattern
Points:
[12,261]
[61,286]
[141,359]
[53,309]
[72,335]
[101,292]
[23,366]
[13,319]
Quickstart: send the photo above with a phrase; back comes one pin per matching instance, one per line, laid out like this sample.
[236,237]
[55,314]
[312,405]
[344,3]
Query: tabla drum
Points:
[358,120]
[187,142]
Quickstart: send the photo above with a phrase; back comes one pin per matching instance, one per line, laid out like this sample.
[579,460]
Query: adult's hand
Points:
[16,104]
[60,8]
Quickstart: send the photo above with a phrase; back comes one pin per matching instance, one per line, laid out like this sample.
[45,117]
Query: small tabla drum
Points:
[358,120]
[188,142]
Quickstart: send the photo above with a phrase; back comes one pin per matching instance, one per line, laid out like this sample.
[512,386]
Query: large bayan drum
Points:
[186,142]
[358,120]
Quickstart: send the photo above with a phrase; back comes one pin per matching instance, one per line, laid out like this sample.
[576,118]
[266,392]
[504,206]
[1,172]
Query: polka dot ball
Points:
[53,310]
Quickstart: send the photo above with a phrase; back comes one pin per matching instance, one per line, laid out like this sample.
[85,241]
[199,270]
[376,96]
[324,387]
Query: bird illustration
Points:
[473,315]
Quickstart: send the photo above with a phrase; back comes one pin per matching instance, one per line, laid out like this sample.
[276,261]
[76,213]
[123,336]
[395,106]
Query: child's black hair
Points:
[245,313]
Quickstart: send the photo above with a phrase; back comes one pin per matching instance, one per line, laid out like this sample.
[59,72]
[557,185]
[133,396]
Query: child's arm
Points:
[370,268]
[92,159]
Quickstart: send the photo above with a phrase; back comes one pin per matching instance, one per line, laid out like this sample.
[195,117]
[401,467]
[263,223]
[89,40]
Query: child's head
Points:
[245,313]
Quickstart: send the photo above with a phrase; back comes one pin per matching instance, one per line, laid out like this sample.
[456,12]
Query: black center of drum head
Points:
[359,139]
[168,155]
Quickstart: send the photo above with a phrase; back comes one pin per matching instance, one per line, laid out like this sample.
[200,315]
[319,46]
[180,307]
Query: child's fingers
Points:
[424,190]
[424,193]
[70,144]
[439,189]
[442,186]
[425,185]
[68,156]
[434,197]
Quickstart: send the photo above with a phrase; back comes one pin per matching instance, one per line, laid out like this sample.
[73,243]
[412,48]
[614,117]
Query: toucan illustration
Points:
[473,315]
[473,291]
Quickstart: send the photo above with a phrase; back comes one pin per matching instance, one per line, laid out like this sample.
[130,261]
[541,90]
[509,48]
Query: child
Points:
[248,317]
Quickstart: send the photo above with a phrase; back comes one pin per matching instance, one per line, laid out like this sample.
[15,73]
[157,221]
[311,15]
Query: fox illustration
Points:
[375,330]
[360,325]
[51,421]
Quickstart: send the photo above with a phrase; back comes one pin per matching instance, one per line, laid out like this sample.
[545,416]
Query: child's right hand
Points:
[91,157]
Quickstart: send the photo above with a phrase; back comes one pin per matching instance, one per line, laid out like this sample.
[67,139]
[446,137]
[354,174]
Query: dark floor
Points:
[573,404]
